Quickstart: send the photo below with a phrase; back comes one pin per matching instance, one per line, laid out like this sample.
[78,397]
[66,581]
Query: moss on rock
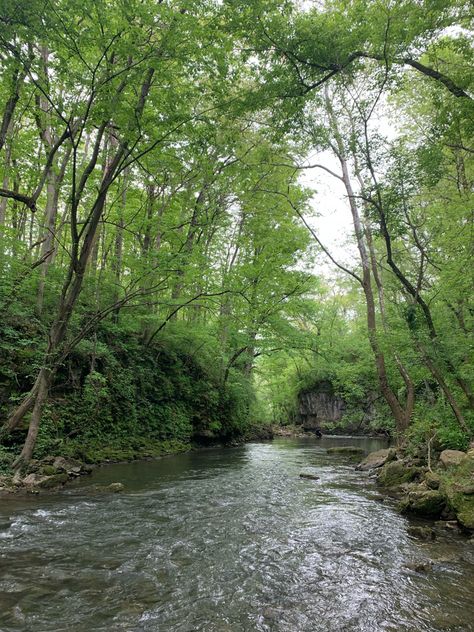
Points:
[397,473]
[56,480]
[457,485]
[428,503]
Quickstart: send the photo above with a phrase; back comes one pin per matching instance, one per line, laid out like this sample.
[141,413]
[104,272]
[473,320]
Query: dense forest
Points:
[163,276]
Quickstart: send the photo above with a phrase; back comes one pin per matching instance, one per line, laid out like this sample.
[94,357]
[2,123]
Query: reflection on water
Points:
[228,541]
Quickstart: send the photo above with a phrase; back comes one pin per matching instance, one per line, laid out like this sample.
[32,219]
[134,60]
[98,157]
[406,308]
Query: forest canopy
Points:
[163,274]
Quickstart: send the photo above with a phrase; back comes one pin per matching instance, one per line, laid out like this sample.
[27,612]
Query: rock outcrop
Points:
[319,406]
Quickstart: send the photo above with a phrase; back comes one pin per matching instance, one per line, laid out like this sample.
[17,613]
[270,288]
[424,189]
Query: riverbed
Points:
[229,540]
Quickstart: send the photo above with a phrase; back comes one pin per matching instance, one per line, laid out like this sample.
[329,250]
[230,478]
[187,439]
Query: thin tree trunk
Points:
[390,397]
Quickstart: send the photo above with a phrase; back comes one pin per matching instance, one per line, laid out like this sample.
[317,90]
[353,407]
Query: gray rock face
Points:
[319,405]
[451,458]
[377,459]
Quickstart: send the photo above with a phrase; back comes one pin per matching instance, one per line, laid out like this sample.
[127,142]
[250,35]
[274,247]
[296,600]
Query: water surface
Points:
[228,541]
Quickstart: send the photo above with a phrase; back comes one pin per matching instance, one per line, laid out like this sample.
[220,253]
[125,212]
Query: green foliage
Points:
[152,252]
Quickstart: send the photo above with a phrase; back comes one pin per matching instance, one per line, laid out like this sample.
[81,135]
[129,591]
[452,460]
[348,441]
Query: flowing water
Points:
[229,540]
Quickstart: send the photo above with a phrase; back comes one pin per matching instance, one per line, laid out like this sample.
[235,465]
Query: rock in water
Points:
[57,480]
[420,566]
[115,487]
[422,533]
[309,475]
[377,459]
[451,458]
[345,449]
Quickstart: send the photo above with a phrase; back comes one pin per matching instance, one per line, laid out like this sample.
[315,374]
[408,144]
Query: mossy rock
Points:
[396,473]
[457,485]
[346,449]
[428,503]
[53,481]
[48,470]
[432,480]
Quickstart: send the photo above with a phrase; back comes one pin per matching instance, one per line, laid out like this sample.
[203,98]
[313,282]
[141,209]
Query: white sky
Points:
[333,223]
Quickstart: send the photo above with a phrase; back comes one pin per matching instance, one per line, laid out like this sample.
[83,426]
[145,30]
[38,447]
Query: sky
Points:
[333,221]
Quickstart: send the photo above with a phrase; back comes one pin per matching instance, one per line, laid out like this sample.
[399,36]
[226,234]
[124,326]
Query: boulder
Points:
[57,480]
[345,449]
[32,479]
[69,465]
[377,459]
[427,503]
[48,470]
[395,473]
[451,458]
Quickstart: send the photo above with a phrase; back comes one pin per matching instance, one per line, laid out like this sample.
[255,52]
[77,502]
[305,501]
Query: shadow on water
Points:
[229,541]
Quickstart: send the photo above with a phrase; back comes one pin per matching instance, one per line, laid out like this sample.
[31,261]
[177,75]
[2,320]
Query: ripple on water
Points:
[228,541]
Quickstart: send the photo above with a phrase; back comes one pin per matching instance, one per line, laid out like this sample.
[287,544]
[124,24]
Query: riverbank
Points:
[53,472]
[442,490]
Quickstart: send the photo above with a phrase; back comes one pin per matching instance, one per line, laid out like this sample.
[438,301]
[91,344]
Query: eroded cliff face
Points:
[320,407]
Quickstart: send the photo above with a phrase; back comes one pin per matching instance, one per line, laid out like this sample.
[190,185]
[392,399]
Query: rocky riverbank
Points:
[49,473]
[443,491]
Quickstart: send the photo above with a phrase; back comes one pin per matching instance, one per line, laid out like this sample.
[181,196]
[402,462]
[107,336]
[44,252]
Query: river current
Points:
[229,540]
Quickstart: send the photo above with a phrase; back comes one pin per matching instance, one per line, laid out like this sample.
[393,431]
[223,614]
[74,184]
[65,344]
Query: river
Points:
[228,540]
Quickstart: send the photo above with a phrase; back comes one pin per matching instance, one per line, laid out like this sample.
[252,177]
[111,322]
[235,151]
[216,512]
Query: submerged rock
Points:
[114,488]
[345,449]
[377,459]
[452,525]
[419,566]
[422,533]
[309,475]
[451,458]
